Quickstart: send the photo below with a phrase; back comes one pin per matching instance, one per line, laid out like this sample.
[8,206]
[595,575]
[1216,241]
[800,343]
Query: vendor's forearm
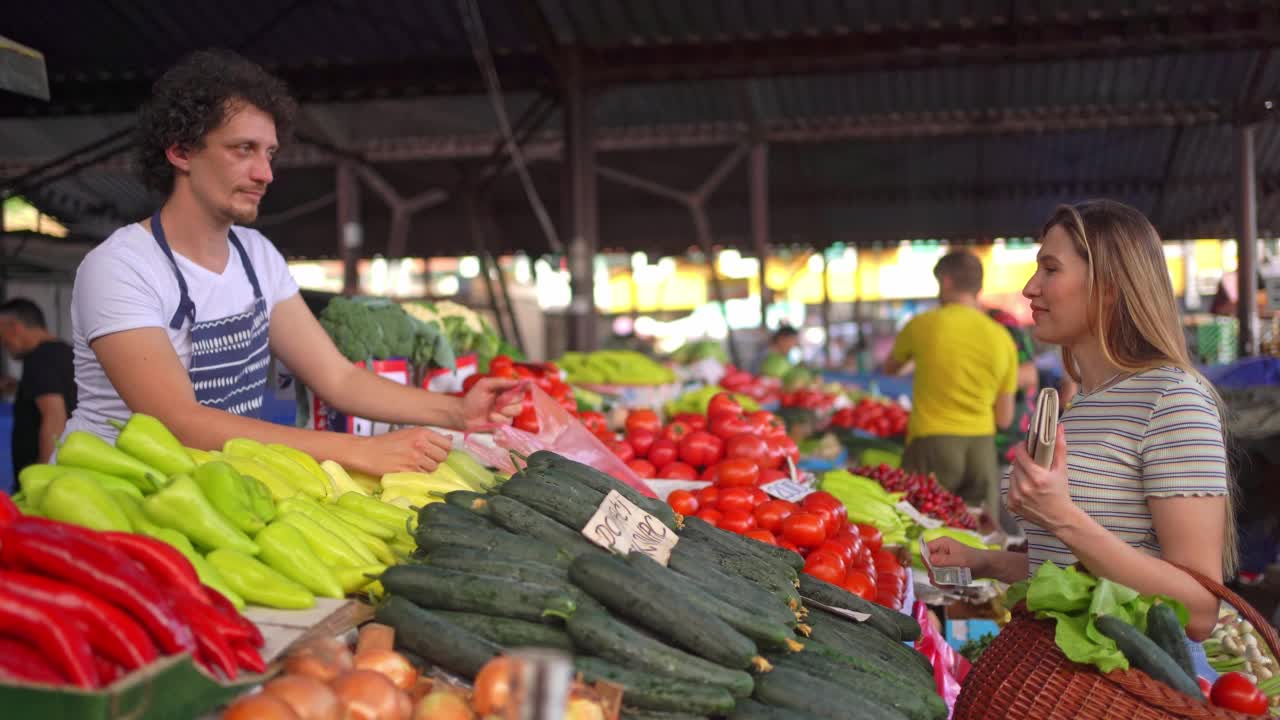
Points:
[208,429]
[1003,565]
[1106,555]
[364,394]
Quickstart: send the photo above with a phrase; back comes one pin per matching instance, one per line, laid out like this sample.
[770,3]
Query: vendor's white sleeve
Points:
[114,292]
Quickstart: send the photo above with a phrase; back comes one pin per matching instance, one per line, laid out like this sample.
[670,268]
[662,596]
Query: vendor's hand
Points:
[1042,496]
[491,401]
[946,552]
[410,450]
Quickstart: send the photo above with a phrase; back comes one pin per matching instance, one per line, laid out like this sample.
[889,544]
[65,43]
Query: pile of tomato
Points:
[545,375]
[850,555]
[880,418]
[744,448]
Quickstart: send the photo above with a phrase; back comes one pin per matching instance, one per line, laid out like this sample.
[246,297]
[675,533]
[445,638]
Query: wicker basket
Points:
[1024,675]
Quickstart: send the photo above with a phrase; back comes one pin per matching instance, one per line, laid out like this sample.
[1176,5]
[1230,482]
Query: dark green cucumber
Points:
[766,633]
[560,467]
[568,504]
[747,709]
[475,502]
[602,635]
[852,655]
[613,582]
[895,625]
[794,689]
[721,549]
[1147,656]
[441,589]
[496,541]
[906,699]
[434,639]
[1165,630]
[869,640]
[509,632]
[447,513]
[525,571]
[749,568]
[708,575]
[520,519]
[655,692]
[699,528]
[633,713]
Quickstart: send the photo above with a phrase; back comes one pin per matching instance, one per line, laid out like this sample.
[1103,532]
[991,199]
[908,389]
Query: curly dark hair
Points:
[193,98]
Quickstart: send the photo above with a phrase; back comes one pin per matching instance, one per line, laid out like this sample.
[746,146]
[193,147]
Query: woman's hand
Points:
[491,401]
[1042,496]
[410,450]
[946,552]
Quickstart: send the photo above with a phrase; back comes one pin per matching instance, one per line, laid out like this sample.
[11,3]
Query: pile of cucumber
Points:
[722,631]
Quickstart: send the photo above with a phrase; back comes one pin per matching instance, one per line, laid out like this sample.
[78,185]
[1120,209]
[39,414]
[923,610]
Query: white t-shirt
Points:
[127,283]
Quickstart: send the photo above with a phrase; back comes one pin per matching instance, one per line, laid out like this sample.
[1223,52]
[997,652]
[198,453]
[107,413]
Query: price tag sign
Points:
[621,527]
[854,616]
[787,489]
[916,516]
[945,576]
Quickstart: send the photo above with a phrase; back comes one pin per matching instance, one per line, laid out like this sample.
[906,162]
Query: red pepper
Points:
[213,634]
[168,566]
[110,630]
[100,569]
[224,606]
[8,510]
[193,611]
[248,657]
[19,661]
[57,638]
[108,672]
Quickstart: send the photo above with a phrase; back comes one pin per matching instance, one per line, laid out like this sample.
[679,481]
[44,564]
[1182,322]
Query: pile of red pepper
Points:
[882,418]
[83,608]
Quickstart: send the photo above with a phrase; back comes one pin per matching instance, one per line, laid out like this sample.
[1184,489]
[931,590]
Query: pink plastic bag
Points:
[949,666]
[559,432]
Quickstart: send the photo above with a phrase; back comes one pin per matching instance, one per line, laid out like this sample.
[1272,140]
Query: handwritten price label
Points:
[787,489]
[851,614]
[621,527]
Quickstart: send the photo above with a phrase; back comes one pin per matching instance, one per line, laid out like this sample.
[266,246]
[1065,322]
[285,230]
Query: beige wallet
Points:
[1044,428]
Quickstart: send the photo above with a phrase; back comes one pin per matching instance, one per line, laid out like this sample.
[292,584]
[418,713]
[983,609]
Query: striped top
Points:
[1155,434]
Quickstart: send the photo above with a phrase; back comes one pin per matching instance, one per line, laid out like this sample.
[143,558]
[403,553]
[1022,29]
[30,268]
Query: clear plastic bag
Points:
[949,666]
[559,432]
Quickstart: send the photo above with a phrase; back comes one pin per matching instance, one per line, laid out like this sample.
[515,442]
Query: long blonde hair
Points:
[1132,308]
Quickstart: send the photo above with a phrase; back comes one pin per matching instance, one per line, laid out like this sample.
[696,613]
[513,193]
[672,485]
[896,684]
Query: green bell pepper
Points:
[78,499]
[148,440]
[85,450]
[227,492]
[286,551]
[182,507]
[258,583]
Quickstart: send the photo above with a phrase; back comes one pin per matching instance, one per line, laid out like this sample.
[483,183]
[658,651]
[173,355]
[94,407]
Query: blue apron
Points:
[229,356]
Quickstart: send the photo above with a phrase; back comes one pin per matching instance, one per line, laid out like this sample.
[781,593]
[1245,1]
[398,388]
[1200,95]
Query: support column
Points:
[350,229]
[580,212]
[760,218]
[1247,242]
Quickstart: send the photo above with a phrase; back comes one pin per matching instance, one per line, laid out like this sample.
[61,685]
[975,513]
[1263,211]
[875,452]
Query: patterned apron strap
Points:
[248,266]
[186,308]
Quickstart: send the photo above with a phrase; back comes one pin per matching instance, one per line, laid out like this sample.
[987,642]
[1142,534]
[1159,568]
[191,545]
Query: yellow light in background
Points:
[469,267]
[19,215]
[447,285]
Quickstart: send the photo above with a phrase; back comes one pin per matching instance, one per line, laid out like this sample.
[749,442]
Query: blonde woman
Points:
[1140,473]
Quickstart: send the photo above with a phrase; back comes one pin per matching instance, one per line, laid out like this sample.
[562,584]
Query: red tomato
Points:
[871,536]
[766,421]
[1233,691]
[727,425]
[675,431]
[768,475]
[606,436]
[683,502]
[859,583]
[889,585]
[700,448]
[1205,687]
[708,496]
[594,421]
[695,421]
[711,515]
[775,455]
[641,441]
[866,563]
[737,473]
[747,446]
[643,420]
[501,365]
[829,557]
[643,468]
[771,513]
[527,420]
[805,529]
[762,535]
[735,498]
[887,564]
[677,471]
[623,450]
[663,452]
[789,447]
[710,474]
[788,545]
[470,382]
[760,496]
[848,538]
[835,546]
[827,504]
[824,571]
[737,521]
[723,403]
